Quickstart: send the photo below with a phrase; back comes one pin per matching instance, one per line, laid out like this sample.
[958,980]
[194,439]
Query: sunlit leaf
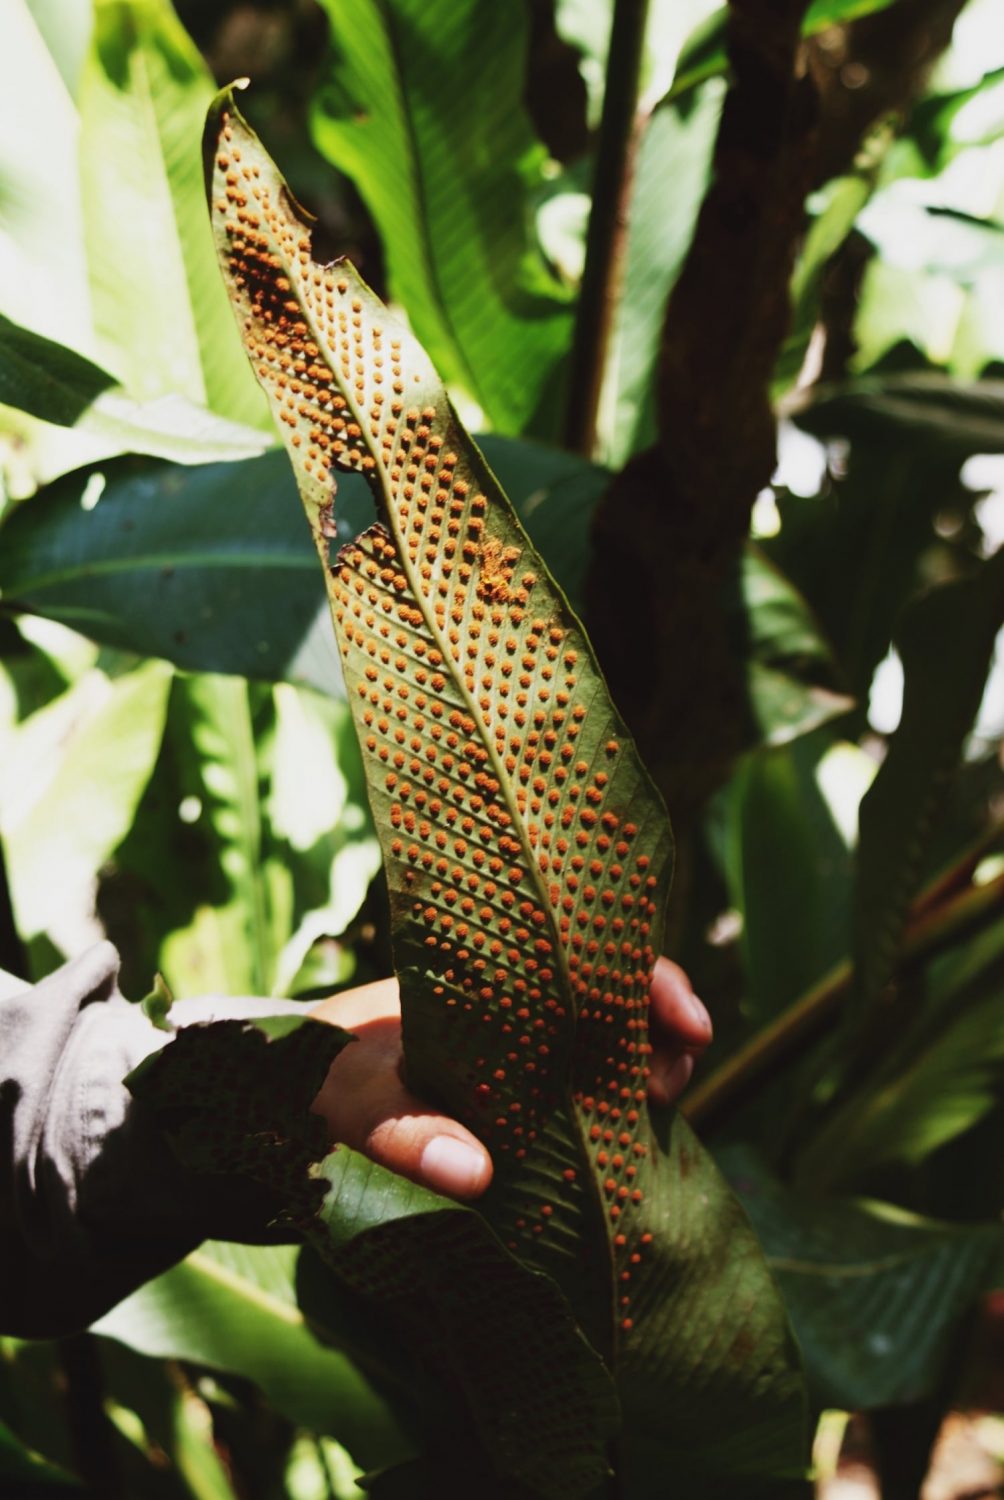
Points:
[224,736]
[527,856]
[56,385]
[419,105]
[233,1307]
[73,773]
[672,172]
[143,96]
[37,259]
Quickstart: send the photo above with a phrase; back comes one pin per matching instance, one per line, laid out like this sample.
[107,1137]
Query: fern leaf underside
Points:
[527,853]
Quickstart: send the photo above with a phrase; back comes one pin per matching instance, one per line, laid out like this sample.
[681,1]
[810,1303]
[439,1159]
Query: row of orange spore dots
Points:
[524,672]
[520,674]
[611,1069]
[305,365]
[473,915]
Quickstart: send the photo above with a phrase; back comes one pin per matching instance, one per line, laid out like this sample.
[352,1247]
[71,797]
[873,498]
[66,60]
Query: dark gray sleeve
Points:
[92,1202]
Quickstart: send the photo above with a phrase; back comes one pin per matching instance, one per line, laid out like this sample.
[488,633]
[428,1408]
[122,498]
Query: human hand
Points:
[366,1105]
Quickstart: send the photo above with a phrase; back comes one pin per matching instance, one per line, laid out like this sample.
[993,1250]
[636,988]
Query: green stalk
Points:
[930,931]
[606,238]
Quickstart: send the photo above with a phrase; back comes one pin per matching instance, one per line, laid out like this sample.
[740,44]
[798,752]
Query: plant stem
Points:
[606,238]
[92,1439]
[929,931]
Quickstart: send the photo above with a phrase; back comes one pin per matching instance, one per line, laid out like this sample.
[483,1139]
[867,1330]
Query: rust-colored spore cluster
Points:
[506,800]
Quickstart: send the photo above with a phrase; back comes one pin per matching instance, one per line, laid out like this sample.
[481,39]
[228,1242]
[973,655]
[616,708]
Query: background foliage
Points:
[170,699]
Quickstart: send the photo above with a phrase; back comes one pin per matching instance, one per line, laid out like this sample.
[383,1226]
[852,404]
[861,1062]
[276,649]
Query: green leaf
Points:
[73,773]
[212,569]
[704,54]
[876,1295]
[234,1308]
[157,1004]
[43,267]
[25,1473]
[45,379]
[207,567]
[956,416]
[936,280]
[57,385]
[255,920]
[586,25]
[844,199]
[420,107]
[502,1332]
[527,855]
[946,641]
[941,1074]
[856,548]
[789,874]
[143,97]
[672,173]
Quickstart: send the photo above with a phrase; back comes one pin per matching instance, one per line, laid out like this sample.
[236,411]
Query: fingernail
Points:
[453,1167]
[699,1012]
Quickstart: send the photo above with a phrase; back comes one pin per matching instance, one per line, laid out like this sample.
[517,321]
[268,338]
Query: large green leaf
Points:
[224,729]
[234,1308]
[251,850]
[672,173]
[143,96]
[941,1075]
[527,856]
[789,873]
[73,772]
[44,378]
[208,567]
[57,385]
[876,1295]
[280,852]
[43,268]
[420,107]
[946,641]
